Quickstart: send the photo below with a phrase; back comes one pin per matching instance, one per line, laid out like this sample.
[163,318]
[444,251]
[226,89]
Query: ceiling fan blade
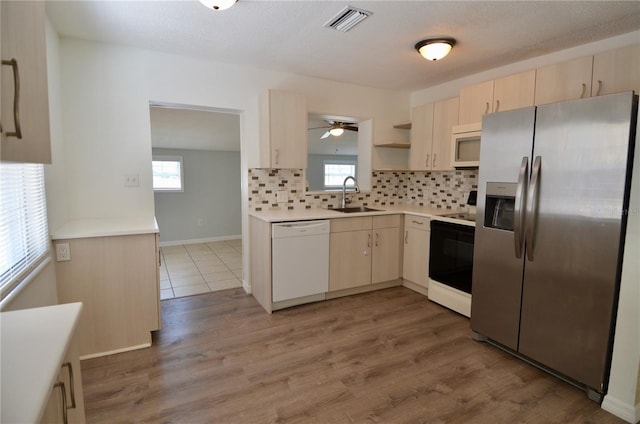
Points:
[350,127]
[325,135]
[317,128]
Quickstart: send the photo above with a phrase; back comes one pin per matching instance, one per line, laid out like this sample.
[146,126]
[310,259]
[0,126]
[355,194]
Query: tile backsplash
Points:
[436,189]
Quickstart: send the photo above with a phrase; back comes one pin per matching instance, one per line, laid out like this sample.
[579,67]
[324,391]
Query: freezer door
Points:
[505,149]
[574,229]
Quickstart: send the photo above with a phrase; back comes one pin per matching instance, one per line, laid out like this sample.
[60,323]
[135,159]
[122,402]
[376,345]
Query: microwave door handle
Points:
[520,200]
[532,207]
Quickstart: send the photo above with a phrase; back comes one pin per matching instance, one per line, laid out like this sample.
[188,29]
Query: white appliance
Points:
[300,262]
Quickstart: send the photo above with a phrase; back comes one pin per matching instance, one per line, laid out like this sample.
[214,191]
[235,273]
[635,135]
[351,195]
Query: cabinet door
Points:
[421,137]
[616,71]
[564,81]
[416,256]
[386,255]
[23,39]
[349,259]
[283,130]
[475,101]
[514,92]
[445,116]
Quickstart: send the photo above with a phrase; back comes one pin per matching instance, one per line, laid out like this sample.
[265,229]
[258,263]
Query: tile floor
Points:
[200,268]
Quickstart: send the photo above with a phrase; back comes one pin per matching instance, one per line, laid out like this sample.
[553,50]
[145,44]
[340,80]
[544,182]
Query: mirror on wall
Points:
[332,154]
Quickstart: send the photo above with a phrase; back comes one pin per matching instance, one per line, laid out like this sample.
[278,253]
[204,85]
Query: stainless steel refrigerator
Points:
[553,192]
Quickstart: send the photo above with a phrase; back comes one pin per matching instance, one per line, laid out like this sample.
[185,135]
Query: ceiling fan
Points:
[336,128]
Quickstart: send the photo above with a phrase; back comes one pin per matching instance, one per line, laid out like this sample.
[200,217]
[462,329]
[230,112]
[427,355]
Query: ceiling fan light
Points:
[218,4]
[435,48]
[336,132]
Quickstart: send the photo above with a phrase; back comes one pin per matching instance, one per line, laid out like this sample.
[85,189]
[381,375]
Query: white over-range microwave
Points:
[465,145]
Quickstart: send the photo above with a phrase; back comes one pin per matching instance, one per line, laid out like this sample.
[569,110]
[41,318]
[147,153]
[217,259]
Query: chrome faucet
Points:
[344,190]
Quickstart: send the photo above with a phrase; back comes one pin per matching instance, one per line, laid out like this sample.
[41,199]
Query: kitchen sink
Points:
[355,209]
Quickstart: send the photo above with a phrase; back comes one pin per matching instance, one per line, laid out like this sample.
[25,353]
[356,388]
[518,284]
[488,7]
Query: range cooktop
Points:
[464,216]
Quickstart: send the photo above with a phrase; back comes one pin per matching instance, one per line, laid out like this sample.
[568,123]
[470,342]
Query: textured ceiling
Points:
[289,35]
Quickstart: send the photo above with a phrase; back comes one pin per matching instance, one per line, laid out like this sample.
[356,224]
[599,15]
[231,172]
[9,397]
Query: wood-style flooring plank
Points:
[390,356]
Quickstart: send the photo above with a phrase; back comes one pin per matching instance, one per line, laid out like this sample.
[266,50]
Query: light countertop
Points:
[83,228]
[319,213]
[34,343]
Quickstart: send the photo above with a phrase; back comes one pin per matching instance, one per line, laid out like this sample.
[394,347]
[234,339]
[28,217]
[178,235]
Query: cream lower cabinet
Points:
[350,250]
[364,251]
[116,278]
[70,408]
[415,266]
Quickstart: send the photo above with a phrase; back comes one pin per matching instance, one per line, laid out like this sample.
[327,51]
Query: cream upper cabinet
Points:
[514,91]
[510,92]
[569,80]
[386,262]
[431,135]
[24,95]
[283,130]
[421,137]
[616,70]
[415,266]
[445,116]
[475,101]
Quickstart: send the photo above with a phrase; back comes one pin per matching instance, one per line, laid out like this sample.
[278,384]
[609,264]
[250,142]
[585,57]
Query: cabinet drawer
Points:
[387,221]
[414,221]
[350,224]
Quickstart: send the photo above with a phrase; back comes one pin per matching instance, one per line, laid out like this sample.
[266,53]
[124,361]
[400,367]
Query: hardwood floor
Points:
[389,356]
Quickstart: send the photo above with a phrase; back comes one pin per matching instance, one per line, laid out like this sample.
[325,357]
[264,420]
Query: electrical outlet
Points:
[200,222]
[282,196]
[131,180]
[63,252]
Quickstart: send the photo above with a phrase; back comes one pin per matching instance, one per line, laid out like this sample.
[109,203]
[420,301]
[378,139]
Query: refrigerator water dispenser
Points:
[499,206]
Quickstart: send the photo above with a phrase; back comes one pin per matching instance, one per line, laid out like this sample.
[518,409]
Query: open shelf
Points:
[394,145]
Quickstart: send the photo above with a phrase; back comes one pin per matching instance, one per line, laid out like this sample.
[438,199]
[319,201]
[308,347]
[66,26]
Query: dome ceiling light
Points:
[435,48]
[218,4]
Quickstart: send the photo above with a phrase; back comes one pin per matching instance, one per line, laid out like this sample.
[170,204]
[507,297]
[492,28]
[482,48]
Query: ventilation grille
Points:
[347,19]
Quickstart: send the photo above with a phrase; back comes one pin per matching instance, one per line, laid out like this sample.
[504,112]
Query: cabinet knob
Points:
[497,105]
[406,237]
[434,161]
[486,109]
[377,238]
[426,162]
[71,384]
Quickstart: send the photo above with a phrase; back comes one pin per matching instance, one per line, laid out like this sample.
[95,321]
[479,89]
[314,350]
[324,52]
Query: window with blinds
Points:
[24,236]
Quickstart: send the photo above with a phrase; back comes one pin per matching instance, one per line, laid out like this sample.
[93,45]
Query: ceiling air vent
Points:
[347,18]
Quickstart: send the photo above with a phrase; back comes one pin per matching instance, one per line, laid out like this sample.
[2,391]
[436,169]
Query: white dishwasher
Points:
[300,259]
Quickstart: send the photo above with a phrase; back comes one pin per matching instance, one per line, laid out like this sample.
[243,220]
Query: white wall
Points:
[211,193]
[106,125]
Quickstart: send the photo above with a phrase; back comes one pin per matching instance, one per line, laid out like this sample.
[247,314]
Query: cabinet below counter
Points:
[112,266]
[35,343]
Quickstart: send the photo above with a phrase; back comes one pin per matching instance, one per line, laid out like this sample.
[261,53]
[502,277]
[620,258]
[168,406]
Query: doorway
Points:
[197,197]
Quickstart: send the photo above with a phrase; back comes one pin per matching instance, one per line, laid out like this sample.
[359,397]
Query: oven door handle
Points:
[520,201]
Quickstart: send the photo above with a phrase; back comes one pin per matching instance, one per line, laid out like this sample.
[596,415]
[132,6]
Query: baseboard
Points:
[246,286]
[415,287]
[202,240]
[112,352]
[625,411]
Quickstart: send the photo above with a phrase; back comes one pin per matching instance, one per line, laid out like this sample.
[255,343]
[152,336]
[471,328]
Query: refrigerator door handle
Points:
[532,207]
[521,195]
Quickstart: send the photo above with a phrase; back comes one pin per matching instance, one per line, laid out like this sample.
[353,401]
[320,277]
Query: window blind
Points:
[24,235]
